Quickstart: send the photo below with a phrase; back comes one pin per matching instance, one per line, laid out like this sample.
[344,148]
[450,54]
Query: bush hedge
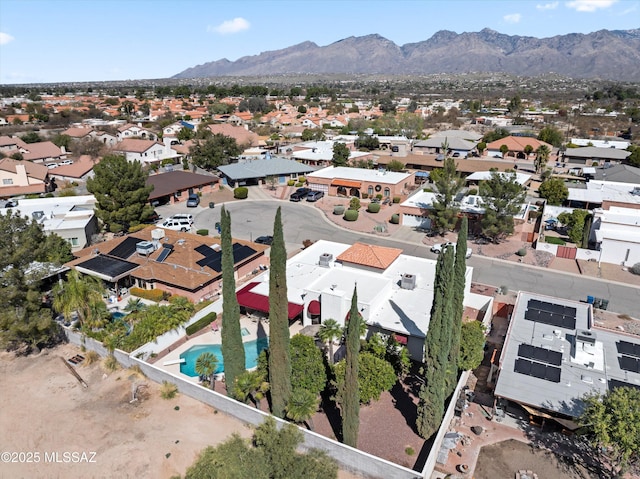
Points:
[241,193]
[373,207]
[472,191]
[522,252]
[201,323]
[395,219]
[203,232]
[396,199]
[365,196]
[350,215]
[338,210]
[156,295]
[554,240]
[291,182]
[635,269]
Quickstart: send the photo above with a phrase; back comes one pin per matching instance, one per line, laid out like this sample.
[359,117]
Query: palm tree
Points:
[206,366]
[329,331]
[301,407]
[80,293]
[135,305]
[251,385]
[542,155]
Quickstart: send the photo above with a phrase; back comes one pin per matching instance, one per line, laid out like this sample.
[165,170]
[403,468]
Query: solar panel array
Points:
[166,249]
[552,314]
[537,370]
[629,364]
[614,383]
[126,248]
[213,258]
[553,358]
[629,349]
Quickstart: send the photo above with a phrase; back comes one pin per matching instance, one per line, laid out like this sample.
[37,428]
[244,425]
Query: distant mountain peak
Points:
[604,54]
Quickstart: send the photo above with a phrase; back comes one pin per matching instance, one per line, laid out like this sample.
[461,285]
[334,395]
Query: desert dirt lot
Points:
[46,410]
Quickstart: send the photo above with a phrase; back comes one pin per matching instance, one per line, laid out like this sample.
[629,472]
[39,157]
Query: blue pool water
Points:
[118,315]
[251,351]
[245,332]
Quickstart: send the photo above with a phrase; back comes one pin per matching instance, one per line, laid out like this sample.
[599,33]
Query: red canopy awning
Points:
[400,338]
[314,307]
[259,302]
[347,183]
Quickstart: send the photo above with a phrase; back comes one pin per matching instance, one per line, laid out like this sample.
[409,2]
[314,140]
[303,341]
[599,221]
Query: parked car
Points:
[193,201]
[315,195]
[456,155]
[264,240]
[52,165]
[439,248]
[66,162]
[182,216]
[11,204]
[176,225]
[299,194]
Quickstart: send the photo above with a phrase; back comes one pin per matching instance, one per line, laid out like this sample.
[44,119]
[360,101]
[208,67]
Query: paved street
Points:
[253,218]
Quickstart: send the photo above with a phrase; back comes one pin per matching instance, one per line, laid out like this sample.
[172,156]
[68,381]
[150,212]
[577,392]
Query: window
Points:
[370,190]
[74,241]
[387,192]
[7,181]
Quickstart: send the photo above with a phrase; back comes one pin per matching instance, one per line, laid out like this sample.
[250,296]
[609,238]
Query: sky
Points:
[46,41]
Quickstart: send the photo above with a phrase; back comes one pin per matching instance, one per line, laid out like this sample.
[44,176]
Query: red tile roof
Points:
[379,257]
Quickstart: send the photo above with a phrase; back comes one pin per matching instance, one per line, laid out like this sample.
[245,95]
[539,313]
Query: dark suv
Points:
[314,195]
[299,194]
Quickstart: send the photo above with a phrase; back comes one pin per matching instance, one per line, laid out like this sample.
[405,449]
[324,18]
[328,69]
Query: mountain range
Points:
[605,54]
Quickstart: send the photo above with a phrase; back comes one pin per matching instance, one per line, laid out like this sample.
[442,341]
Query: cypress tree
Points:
[279,356]
[437,344]
[459,271]
[351,396]
[232,347]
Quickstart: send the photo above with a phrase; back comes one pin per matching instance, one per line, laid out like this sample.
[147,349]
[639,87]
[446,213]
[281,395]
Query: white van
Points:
[176,224]
[182,217]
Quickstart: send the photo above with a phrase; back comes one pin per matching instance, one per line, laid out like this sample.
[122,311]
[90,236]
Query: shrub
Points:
[168,390]
[373,207]
[396,199]
[133,229]
[365,196]
[110,363]
[301,179]
[379,196]
[241,193]
[299,184]
[635,269]
[350,215]
[338,210]
[554,240]
[522,252]
[203,232]
[306,243]
[91,357]
[409,451]
[201,323]
[427,190]
[395,219]
[472,191]
[354,204]
[291,182]
[156,295]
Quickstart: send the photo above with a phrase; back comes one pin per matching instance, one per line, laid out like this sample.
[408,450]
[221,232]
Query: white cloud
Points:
[590,5]
[547,6]
[230,26]
[512,18]
[5,38]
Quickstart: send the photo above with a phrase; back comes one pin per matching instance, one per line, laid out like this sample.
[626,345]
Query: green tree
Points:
[61,140]
[551,135]
[368,142]
[251,385]
[375,375]
[437,344]
[185,134]
[213,151]
[502,197]
[206,365]
[481,147]
[310,134]
[448,183]
[279,352]
[471,345]
[504,149]
[497,134]
[222,461]
[307,366]
[79,293]
[542,156]
[395,165]
[634,158]
[612,424]
[554,191]
[330,330]
[459,282]
[31,137]
[528,149]
[232,347]
[302,405]
[575,223]
[350,407]
[341,154]
[122,195]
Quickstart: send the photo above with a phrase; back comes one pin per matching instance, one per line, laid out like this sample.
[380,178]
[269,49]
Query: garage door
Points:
[415,221]
[319,187]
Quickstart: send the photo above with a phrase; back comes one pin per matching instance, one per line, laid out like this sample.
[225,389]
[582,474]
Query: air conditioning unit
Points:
[408,281]
[145,248]
[586,337]
[325,260]
[157,234]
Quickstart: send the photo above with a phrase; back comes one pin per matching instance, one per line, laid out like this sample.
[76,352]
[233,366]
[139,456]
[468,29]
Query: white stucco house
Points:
[616,232]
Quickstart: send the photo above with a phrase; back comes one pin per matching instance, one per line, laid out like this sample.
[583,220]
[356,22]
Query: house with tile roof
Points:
[346,181]
[21,177]
[179,263]
[243,136]
[44,152]
[145,151]
[12,144]
[135,131]
[516,146]
[176,186]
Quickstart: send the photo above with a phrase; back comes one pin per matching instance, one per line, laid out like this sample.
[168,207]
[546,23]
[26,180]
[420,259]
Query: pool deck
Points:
[257,329]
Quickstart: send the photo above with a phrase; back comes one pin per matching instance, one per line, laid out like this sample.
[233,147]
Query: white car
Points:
[439,248]
[66,162]
[52,165]
[176,224]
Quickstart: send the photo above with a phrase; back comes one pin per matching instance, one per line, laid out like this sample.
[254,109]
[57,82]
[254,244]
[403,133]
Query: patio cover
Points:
[259,302]
[314,307]
[347,183]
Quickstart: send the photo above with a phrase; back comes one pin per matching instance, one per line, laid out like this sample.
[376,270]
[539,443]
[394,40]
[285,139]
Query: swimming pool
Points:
[251,351]
[118,315]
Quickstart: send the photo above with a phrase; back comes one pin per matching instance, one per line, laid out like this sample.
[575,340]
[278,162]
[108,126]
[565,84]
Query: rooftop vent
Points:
[37,215]
[325,260]
[635,191]
[408,281]
[586,379]
[216,247]
[586,337]
[145,248]
[157,234]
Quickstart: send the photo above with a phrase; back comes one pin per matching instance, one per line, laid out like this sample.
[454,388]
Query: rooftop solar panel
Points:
[552,307]
[108,266]
[522,366]
[126,248]
[630,349]
[629,364]
[552,319]
[547,356]
[164,253]
[537,370]
[614,383]
[213,259]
